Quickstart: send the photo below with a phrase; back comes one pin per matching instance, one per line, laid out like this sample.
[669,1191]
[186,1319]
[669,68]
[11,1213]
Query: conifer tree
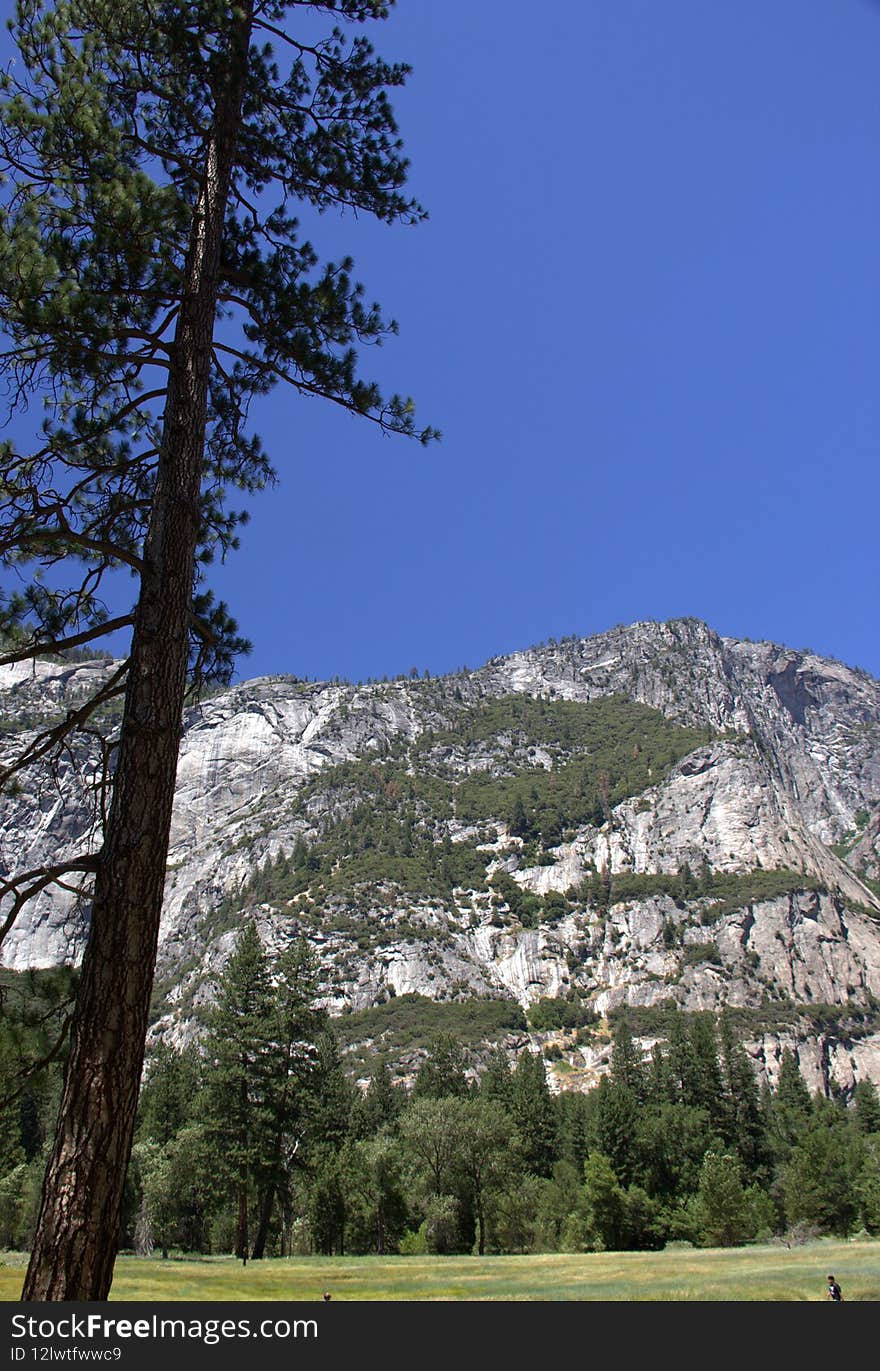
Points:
[155,154]
[723,1206]
[627,1070]
[167,1098]
[532,1112]
[605,1201]
[381,1104]
[791,1109]
[745,1125]
[866,1104]
[443,1072]
[240,1052]
[704,1087]
[295,1028]
[614,1126]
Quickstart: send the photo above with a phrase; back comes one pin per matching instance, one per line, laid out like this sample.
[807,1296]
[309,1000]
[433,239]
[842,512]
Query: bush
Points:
[559,1013]
[414,1242]
[695,954]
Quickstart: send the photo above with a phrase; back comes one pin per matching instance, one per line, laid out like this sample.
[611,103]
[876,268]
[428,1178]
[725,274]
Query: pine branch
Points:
[59,645]
[50,739]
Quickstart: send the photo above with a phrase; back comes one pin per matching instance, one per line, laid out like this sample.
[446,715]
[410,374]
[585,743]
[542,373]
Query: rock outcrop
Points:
[783,781]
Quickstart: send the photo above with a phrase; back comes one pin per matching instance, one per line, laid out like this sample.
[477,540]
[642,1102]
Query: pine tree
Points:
[169,1093]
[380,1106]
[725,1214]
[627,1070]
[679,1056]
[614,1127]
[532,1113]
[745,1125]
[820,1180]
[295,1029]
[791,1108]
[605,1201]
[519,820]
[866,1104]
[572,1129]
[704,1087]
[154,153]
[240,1048]
[332,1096]
[443,1072]
[496,1078]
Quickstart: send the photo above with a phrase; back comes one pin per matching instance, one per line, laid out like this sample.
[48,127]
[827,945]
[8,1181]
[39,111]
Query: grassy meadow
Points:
[770,1272]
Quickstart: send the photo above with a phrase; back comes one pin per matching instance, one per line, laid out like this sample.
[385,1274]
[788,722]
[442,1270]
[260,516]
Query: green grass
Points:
[752,1273]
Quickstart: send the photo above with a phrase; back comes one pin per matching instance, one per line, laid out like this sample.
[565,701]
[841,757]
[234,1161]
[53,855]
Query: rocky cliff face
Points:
[706,839]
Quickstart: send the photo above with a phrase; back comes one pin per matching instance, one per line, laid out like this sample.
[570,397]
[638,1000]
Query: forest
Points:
[254,1138]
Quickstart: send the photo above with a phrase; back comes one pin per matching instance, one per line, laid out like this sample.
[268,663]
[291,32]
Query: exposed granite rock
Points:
[796,768]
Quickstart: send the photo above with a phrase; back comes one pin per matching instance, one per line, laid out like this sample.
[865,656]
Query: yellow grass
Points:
[755,1273]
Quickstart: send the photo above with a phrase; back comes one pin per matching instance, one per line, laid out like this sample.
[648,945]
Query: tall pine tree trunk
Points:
[241,1222]
[78,1226]
[267,1203]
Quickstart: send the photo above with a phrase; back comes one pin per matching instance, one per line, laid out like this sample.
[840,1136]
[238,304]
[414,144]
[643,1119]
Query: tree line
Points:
[254,1140]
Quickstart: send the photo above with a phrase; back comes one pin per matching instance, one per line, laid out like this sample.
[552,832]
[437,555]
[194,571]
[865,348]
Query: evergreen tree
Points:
[328,1207]
[703,1087]
[239,1048]
[866,1104]
[791,1109]
[626,1062]
[496,1078]
[670,1143]
[154,153]
[605,1201]
[572,1137]
[820,1180]
[443,1072]
[613,1128]
[745,1127]
[725,1213]
[295,1029]
[533,1114]
[11,1150]
[333,1097]
[169,1093]
[680,1058]
[867,1187]
[381,1104]
[518,822]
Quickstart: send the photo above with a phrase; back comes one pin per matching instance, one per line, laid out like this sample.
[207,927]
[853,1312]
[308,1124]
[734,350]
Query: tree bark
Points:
[241,1226]
[77,1232]
[267,1202]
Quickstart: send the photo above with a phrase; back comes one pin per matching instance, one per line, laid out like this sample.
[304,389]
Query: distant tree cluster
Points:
[256,1141]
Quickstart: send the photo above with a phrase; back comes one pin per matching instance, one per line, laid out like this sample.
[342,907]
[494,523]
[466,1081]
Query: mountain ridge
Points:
[784,777]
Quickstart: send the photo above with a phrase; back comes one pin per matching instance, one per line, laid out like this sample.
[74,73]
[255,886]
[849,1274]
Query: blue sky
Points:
[643,312]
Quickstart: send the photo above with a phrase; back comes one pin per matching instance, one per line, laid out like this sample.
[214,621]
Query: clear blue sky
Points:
[645,314]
